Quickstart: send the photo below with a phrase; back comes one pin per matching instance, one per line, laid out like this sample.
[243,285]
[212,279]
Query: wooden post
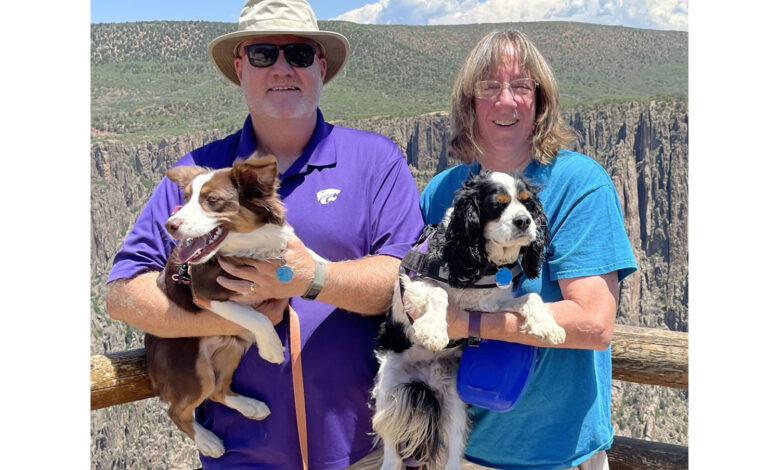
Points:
[635,454]
[650,356]
[641,355]
[119,378]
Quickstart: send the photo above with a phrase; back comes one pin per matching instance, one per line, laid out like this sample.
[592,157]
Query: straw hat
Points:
[274,17]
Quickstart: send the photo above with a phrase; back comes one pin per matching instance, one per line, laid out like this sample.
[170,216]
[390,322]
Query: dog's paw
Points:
[540,322]
[270,348]
[213,449]
[249,407]
[256,409]
[432,335]
[550,332]
[208,443]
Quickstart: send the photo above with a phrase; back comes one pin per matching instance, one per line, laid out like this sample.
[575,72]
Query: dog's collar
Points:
[419,263]
[183,275]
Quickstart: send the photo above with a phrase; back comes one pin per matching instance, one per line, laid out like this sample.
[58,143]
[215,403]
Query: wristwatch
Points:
[474,319]
[317,282]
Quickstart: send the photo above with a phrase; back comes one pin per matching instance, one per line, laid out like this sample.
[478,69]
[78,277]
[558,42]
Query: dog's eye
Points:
[501,198]
[530,204]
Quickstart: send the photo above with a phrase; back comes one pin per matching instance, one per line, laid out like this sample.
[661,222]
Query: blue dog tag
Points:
[284,273]
[504,278]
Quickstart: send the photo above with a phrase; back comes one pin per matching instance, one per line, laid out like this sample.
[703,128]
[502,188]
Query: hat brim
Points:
[222,50]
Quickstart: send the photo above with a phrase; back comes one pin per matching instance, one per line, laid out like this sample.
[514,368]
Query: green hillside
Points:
[153,79]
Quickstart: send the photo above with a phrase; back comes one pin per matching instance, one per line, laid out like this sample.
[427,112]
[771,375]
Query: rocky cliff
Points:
[644,147]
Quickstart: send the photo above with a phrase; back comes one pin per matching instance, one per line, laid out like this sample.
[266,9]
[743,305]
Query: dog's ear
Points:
[533,254]
[464,246]
[257,180]
[183,175]
[257,172]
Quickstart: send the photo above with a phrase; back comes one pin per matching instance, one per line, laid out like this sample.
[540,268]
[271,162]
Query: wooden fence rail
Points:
[640,355]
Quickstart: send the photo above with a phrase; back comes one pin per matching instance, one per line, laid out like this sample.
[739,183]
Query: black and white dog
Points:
[496,219]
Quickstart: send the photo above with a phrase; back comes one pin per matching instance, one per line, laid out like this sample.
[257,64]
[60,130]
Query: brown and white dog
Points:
[231,212]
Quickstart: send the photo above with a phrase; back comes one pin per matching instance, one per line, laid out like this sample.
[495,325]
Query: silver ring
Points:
[252,287]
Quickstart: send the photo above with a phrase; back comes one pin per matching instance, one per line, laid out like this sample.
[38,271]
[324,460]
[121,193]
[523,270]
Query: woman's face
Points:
[505,123]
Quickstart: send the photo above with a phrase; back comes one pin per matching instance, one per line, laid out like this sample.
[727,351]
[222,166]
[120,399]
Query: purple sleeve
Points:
[396,218]
[148,245]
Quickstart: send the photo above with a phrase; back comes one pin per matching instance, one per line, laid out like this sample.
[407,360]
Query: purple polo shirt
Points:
[349,194]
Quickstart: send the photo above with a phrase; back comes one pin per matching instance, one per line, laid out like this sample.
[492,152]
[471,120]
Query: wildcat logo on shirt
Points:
[326,196]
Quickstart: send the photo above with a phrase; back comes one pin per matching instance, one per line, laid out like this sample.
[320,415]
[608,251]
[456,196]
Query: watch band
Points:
[317,282]
[474,320]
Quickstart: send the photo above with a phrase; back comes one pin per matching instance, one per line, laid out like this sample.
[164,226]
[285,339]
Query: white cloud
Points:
[366,14]
[653,14]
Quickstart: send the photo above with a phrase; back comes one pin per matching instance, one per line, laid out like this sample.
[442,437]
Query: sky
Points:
[650,14]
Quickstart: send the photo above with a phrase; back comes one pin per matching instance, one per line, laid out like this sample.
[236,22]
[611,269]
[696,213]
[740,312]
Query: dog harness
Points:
[419,263]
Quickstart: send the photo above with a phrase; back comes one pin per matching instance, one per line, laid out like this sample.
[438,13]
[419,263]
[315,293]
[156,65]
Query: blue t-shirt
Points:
[350,194]
[564,416]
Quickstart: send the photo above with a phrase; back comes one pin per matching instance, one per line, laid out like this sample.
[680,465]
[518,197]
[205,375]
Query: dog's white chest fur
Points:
[268,241]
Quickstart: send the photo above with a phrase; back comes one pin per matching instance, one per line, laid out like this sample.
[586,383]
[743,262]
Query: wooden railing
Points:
[640,355]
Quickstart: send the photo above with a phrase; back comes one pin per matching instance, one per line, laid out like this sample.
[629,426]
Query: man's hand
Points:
[263,274]
[363,286]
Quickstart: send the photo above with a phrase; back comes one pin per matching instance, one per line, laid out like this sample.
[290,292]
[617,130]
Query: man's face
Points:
[280,91]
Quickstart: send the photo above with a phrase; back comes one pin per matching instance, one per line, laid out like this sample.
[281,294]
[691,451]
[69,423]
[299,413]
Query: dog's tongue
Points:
[190,247]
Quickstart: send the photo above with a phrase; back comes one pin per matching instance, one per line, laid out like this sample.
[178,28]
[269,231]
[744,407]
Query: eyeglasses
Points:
[520,88]
[265,55]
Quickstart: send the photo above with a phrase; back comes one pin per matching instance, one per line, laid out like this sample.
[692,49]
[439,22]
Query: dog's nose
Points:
[522,222]
[172,225]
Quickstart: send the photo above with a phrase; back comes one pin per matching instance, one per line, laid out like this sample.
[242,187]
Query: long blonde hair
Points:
[550,133]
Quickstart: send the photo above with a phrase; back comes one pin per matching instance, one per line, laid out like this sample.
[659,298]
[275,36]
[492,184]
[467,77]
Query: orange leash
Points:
[297,374]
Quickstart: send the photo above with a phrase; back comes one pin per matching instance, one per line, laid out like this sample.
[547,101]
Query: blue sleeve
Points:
[148,245]
[589,238]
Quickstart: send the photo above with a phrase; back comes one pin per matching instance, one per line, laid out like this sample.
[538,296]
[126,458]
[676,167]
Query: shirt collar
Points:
[530,170]
[319,151]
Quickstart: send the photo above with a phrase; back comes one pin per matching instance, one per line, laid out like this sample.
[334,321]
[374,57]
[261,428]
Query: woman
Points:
[506,117]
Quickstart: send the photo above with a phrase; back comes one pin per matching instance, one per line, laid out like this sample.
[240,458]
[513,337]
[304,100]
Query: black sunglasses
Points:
[265,55]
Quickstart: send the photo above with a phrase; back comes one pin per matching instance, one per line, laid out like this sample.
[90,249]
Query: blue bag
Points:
[494,374]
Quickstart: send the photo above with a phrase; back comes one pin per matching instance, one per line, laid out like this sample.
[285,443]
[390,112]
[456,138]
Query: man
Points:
[350,197]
